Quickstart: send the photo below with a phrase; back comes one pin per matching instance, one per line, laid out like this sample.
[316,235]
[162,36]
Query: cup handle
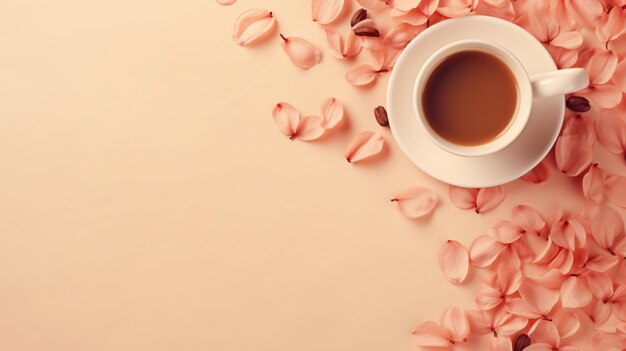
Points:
[559,82]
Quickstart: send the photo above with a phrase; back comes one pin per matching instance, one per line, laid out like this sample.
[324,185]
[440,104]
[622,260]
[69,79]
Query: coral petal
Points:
[538,297]
[464,198]
[456,324]
[286,118]
[598,311]
[593,184]
[505,231]
[538,175]
[364,145]
[545,332]
[611,130]
[309,128]
[454,261]
[252,25]
[373,5]
[601,66]
[489,198]
[616,190]
[573,154]
[362,74]
[332,113]
[566,321]
[416,202]
[485,250]
[301,52]
[528,218]
[430,334]
[500,344]
[575,293]
[326,11]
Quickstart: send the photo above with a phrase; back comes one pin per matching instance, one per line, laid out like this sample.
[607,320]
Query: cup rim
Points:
[524,100]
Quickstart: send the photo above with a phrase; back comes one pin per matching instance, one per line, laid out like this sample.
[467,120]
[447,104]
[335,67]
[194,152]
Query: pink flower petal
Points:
[454,261]
[430,334]
[364,145]
[505,231]
[456,8]
[601,341]
[598,311]
[301,52]
[479,323]
[537,297]
[528,218]
[341,48]
[401,34]
[226,2]
[567,232]
[485,250]
[539,347]
[599,260]
[621,271]
[607,226]
[619,77]
[309,128]
[600,285]
[286,118]
[573,155]
[509,276]
[545,332]
[326,11]
[575,293]
[584,12]
[616,190]
[563,261]
[611,131]
[604,95]
[566,322]
[416,202]
[538,175]
[416,16]
[611,25]
[518,307]
[464,198]
[508,324]
[252,25]
[567,40]
[332,113]
[497,8]
[593,184]
[488,298]
[362,74]
[489,198]
[373,5]
[601,66]
[581,126]
[500,344]
[455,322]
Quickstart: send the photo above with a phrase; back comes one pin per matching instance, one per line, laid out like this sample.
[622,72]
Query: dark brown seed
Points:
[381,116]
[578,104]
[358,16]
[521,342]
[367,32]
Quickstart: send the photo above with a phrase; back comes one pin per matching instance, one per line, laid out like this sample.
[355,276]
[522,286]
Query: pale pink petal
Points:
[545,332]
[489,198]
[455,322]
[621,271]
[518,307]
[352,45]
[539,347]
[619,77]
[488,298]
[584,12]
[528,218]
[616,190]
[301,52]
[286,118]
[547,253]
[456,8]
[510,324]
[500,344]
[497,8]
[564,58]
[598,311]
[570,348]
[373,5]
[600,285]
[601,66]
[509,275]
[226,2]
[537,297]
[479,323]
[601,341]
[538,175]
[362,74]
[454,261]
[575,293]
[611,131]
[567,40]
[405,5]
[563,233]
[400,35]
[581,126]
[464,198]
[607,226]
[563,261]
[364,145]
[252,25]
[309,128]
[335,41]
[416,202]
[593,184]
[611,25]
[599,260]
[430,334]
[603,96]
[573,155]
[566,321]
[505,231]
[332,113]
[326,11]
[484,251]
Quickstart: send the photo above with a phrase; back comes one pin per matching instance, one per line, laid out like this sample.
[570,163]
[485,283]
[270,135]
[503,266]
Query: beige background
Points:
[148,202]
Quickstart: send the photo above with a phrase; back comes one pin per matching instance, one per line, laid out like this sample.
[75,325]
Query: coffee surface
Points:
[470,98]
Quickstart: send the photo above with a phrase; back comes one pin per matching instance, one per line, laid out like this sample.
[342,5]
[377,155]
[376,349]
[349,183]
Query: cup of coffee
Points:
[473,97]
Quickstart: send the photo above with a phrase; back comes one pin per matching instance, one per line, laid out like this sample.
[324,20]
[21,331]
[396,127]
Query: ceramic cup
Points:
[529,87]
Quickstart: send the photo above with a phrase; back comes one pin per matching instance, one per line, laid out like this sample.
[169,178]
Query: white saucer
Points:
[473,172]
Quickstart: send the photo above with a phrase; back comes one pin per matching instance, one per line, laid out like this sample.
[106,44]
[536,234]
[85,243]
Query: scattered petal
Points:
[286,118]
[545,332]
[528,218]
[373,5]
[575,293]
[332,113]
[430,334]
[361,74]
[573,155]
[456,324]
[309,128]
[611,131]
[226,2]
[538,175]
[566,322]
[505,231]
[454,261]
[341,48]
[500,344]
[301,52]
[593,184]
[598,311]
[489,198]
[401,34]
[464,198]
[416,202]
[326,11]
[616,190]
[364,145]
[537,297]
[252,25]
[485,250]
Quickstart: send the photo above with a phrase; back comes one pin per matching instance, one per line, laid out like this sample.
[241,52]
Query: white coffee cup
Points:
[528,87]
